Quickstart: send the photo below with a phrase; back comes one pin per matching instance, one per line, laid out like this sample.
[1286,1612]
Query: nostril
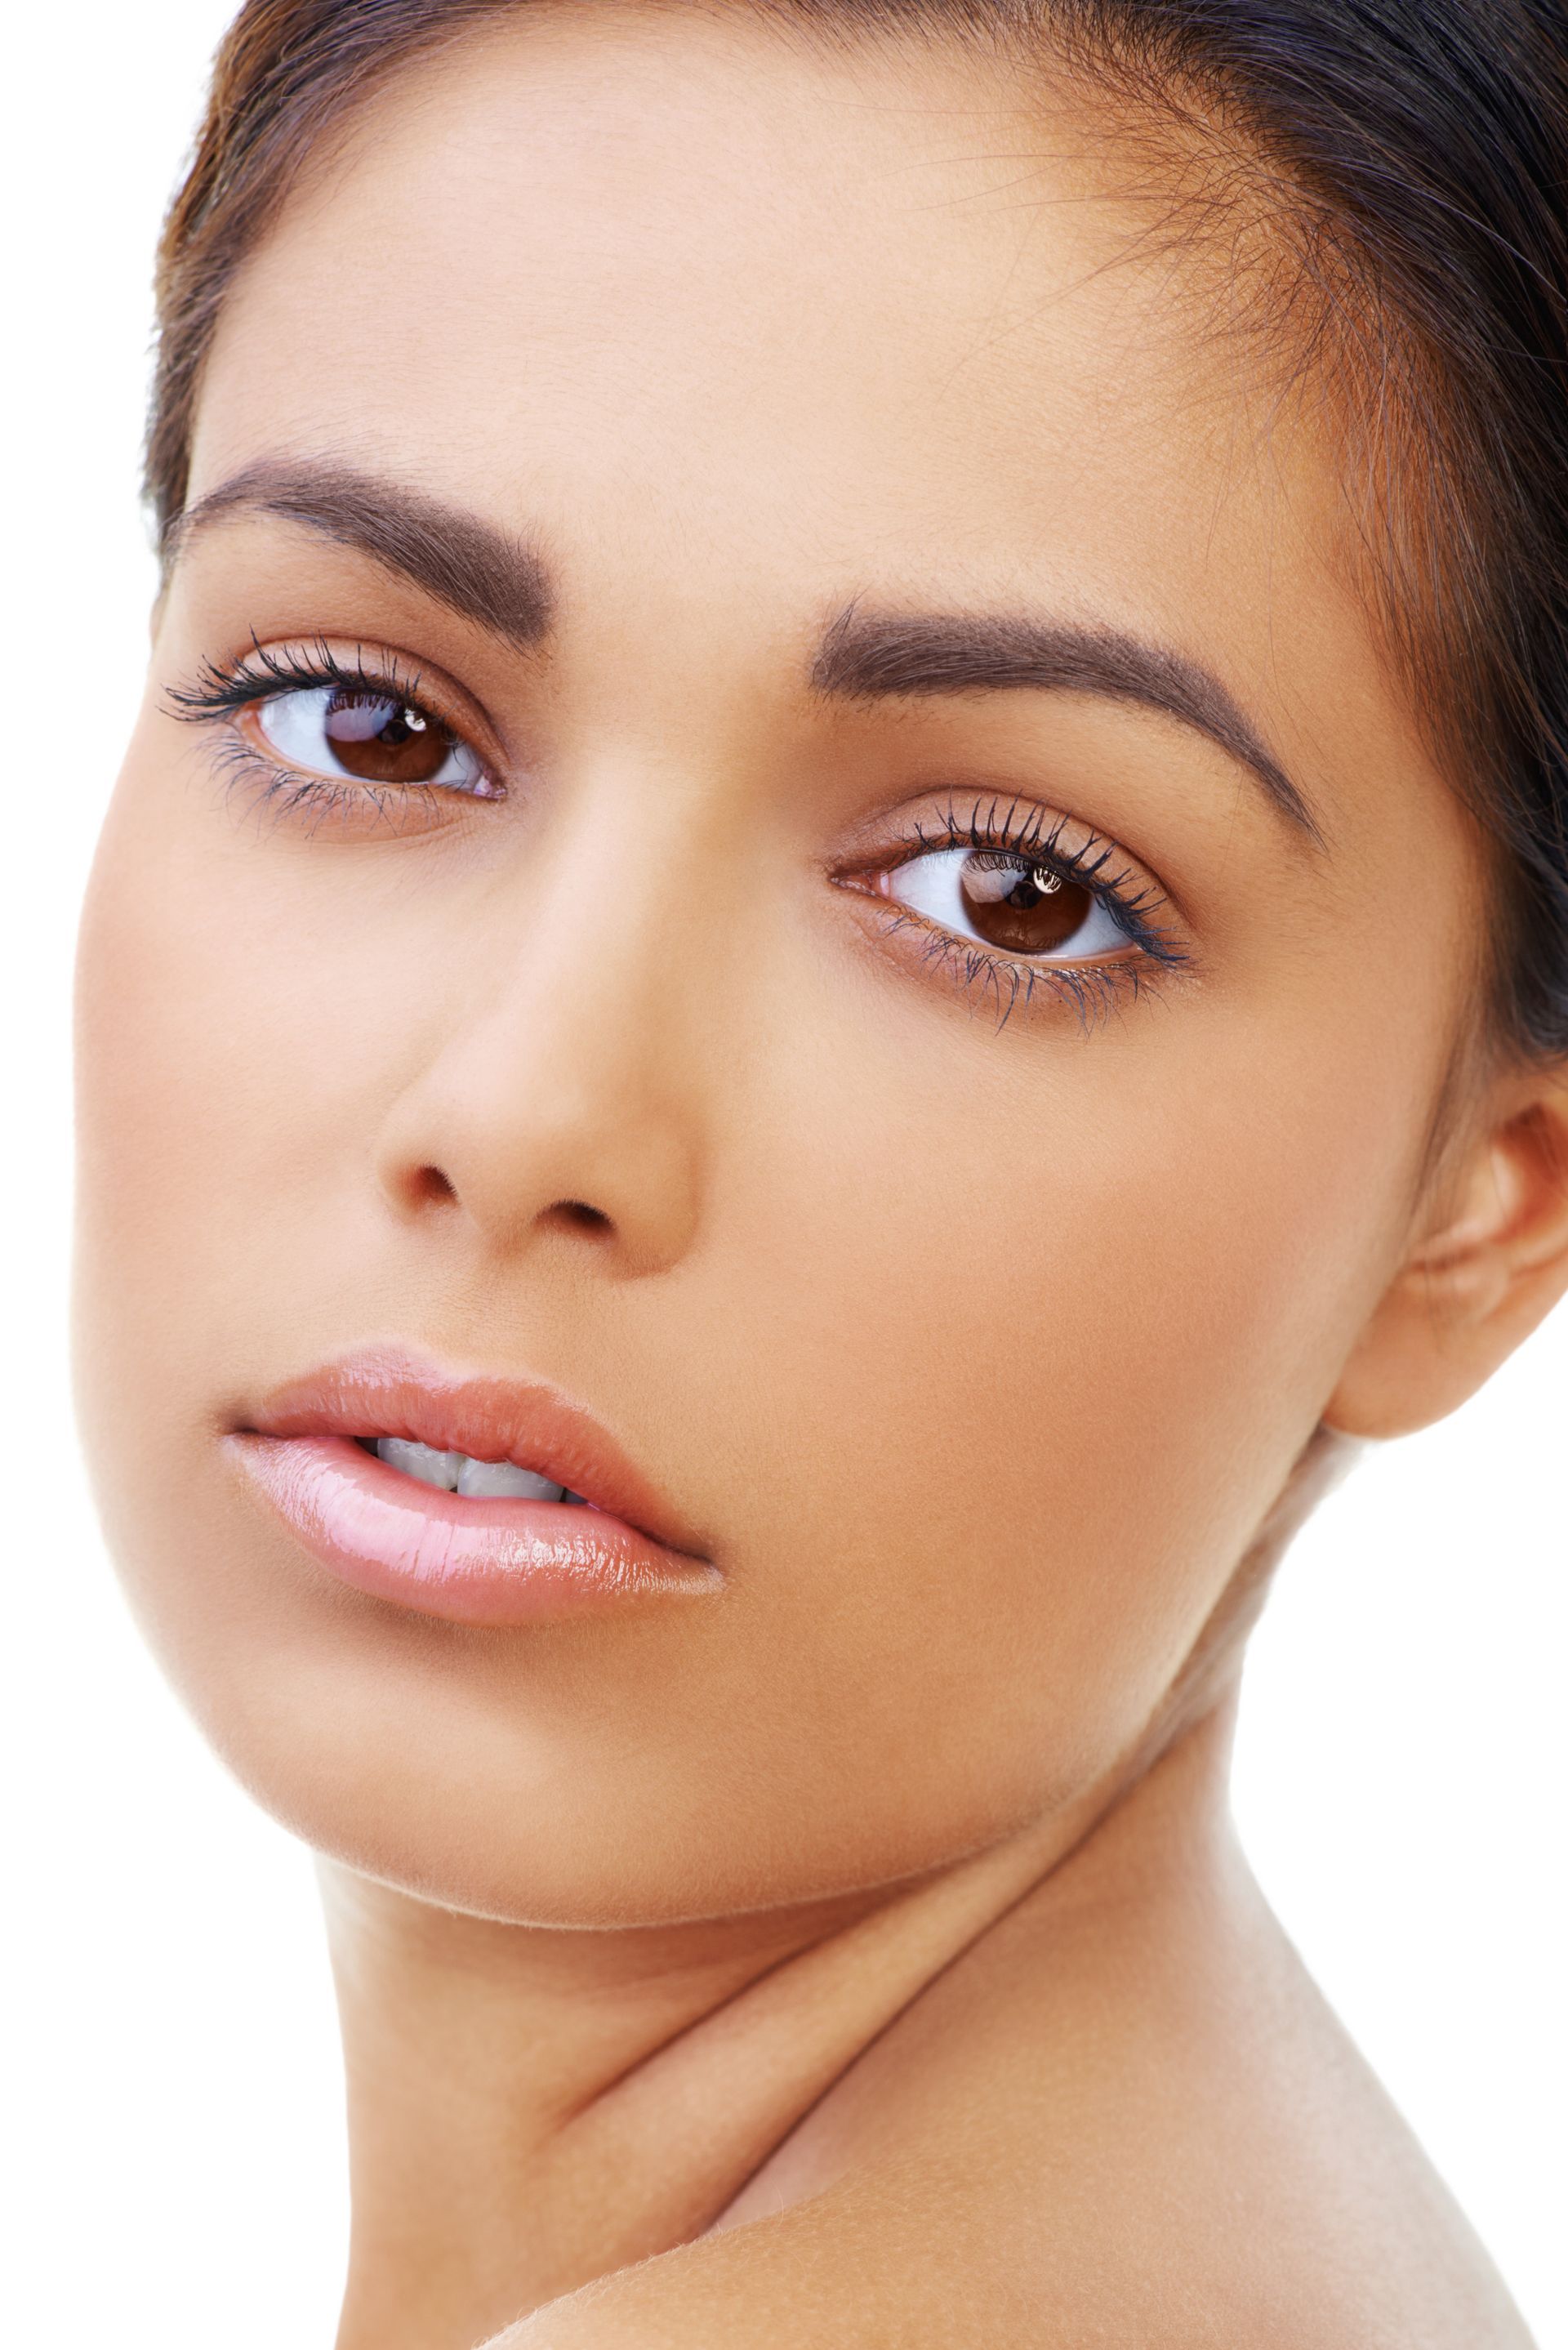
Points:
[580,1216]
[428,1187]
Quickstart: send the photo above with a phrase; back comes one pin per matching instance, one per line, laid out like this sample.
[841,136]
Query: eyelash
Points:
[225,690]
[1023,829]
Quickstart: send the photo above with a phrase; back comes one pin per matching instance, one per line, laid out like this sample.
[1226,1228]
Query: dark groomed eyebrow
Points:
[869,655]
[477,569]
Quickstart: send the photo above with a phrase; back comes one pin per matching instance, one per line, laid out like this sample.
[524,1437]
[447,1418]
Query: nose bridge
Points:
[573,1071]
[595,1000]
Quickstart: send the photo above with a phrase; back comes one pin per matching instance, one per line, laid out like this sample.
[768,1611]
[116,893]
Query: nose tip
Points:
[559,1086]
[523,1163]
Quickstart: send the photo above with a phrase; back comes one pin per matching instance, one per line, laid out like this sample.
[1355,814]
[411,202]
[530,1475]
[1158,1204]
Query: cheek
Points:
[226,1036]
[1050,1340]
[236,1028]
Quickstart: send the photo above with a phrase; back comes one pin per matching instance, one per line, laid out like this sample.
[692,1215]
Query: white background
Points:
[176,2103]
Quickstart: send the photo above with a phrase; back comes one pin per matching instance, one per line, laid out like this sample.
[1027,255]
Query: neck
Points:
[529,2109]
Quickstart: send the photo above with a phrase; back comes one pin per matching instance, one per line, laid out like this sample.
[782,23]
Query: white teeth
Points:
[422,1461]
[454,1472]
[487,1480]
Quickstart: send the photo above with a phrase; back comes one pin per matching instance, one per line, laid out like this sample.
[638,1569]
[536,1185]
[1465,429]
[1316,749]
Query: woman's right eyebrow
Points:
[478,570]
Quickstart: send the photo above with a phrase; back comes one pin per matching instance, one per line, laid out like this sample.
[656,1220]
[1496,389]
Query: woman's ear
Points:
[1489,1266]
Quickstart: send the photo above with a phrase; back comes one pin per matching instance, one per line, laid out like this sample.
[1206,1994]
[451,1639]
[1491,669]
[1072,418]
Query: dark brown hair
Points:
[1411,160]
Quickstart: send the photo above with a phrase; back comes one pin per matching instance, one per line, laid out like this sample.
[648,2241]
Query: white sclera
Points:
[933,886]
[294,723]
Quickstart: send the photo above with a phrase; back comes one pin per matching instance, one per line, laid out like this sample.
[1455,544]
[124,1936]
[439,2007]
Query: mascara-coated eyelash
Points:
[1011,900]
[328,733]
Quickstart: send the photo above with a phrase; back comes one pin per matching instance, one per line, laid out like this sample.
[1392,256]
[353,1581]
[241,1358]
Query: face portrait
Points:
[765,802]
[806,993]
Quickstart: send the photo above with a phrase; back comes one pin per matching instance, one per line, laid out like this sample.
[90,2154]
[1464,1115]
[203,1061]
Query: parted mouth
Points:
[481,1435]
[459,1472]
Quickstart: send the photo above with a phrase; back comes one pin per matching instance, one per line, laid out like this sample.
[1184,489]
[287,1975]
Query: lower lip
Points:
[473,1562]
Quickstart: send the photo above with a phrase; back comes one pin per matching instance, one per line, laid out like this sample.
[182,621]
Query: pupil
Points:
[1025,910]
[381,740]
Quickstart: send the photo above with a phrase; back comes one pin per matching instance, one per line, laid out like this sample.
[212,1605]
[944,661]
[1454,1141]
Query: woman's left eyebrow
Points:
[482,572]
[869,655]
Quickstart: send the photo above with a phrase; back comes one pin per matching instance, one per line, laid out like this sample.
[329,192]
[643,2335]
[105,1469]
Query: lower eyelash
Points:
[285,790]
[1095,990]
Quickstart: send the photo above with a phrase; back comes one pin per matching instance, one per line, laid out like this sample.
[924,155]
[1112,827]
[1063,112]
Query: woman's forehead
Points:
[738,285]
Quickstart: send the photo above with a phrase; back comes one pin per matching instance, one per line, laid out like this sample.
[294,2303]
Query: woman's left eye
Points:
[1006,900]
[367,736]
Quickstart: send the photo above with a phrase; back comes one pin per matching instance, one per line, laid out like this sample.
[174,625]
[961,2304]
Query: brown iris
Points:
[1021,907]
[381,740]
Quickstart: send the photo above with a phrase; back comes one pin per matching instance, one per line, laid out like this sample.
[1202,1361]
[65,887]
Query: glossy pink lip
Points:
[499,1562]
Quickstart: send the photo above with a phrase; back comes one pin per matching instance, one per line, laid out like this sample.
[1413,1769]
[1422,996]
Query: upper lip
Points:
[394,1391]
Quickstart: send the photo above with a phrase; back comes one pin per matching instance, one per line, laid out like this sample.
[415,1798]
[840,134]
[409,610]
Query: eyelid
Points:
[980,814]
[1159,948]
[364,660]
[1018,824]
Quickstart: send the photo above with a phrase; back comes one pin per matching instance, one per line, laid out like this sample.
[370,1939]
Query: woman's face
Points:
[828,970]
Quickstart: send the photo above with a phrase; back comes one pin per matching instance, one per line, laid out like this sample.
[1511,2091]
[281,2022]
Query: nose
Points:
[561,1091]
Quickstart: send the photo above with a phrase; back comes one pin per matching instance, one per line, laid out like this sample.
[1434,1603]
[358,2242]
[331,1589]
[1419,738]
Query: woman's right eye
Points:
[366,734]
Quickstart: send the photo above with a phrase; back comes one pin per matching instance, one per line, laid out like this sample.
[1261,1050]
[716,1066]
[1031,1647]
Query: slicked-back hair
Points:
[1404,168]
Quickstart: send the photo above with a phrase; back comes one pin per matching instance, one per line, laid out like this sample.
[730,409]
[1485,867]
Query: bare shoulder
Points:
[1180,2157]
[916,2254]
[866,2264]
[903,2260]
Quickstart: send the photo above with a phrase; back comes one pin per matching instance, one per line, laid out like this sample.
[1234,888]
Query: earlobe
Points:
[1489,1267]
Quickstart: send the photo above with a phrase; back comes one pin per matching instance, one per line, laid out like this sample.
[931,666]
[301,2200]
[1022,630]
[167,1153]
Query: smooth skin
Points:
[860,1955]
